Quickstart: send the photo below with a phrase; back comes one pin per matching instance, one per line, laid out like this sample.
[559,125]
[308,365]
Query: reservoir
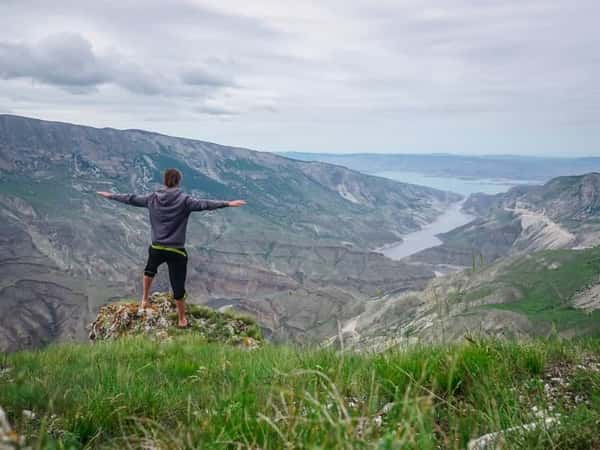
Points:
[460,185]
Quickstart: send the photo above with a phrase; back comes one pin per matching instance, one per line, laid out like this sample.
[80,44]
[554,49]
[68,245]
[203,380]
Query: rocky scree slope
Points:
[297,257]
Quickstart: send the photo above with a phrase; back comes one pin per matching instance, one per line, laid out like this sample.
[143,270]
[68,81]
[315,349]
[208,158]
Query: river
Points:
[450,219]
[426,237]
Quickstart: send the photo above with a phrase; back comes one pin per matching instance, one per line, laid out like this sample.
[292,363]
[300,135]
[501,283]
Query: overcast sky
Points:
[404,76]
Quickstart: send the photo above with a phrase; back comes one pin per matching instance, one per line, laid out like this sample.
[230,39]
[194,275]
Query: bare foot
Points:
[145,304]
[183,324]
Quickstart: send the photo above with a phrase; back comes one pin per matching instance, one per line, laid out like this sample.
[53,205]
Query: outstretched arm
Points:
[199,204]
[130,199]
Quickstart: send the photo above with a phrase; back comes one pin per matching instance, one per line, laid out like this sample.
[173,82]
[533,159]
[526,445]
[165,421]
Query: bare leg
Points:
[147,282]
[181,313]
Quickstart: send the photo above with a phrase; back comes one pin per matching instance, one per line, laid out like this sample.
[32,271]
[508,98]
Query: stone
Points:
[9,439]
[29,415]
[489,441]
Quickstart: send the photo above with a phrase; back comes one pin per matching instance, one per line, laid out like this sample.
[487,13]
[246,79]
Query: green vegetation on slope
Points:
[187,393]
[45,196]
[548,280]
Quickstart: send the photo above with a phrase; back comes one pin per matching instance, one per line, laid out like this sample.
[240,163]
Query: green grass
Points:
[190,394]
[547,292]
[469,296]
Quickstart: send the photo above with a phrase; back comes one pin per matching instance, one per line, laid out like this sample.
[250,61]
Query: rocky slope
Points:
[538,294]
[563,213]
[297,257]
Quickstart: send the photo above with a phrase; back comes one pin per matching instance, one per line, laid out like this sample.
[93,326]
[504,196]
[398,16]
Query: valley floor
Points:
[185,393]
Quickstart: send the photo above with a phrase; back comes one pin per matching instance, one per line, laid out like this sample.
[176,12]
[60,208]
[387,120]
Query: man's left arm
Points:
[200,204]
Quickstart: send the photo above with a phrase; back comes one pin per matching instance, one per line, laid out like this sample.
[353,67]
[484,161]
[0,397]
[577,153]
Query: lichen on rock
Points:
[159,321]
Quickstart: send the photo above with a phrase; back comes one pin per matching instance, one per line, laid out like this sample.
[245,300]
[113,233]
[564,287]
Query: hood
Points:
[168,196]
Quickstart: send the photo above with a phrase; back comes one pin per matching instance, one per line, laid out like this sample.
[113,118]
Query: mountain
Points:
[532,260]
[298,257]
[445,165]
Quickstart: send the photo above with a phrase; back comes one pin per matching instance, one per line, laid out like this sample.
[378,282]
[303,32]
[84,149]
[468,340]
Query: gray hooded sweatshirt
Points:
[169,210]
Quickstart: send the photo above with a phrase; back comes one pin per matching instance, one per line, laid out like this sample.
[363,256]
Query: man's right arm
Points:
[129,199]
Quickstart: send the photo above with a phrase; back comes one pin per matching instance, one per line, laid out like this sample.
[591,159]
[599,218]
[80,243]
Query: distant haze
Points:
[460,76]
[424,169]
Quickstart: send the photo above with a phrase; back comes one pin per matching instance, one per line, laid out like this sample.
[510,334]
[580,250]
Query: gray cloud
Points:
[214,110]
[64,59]
[68,60]
[199,76]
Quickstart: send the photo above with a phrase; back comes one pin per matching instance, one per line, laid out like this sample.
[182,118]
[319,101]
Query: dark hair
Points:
[172,178]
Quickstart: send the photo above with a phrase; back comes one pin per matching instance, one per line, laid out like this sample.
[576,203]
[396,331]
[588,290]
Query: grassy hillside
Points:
[541,286]
[186,393]
[548,281]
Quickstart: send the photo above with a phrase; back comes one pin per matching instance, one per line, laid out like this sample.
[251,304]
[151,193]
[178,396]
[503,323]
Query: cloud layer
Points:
[411,76]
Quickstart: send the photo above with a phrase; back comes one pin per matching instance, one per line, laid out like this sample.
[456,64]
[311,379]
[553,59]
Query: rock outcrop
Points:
[159,321]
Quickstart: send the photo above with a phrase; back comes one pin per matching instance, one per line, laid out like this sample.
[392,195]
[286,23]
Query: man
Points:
[169,210]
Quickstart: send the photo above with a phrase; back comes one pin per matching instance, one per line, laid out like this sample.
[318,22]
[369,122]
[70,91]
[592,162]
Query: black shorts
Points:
[176,259]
